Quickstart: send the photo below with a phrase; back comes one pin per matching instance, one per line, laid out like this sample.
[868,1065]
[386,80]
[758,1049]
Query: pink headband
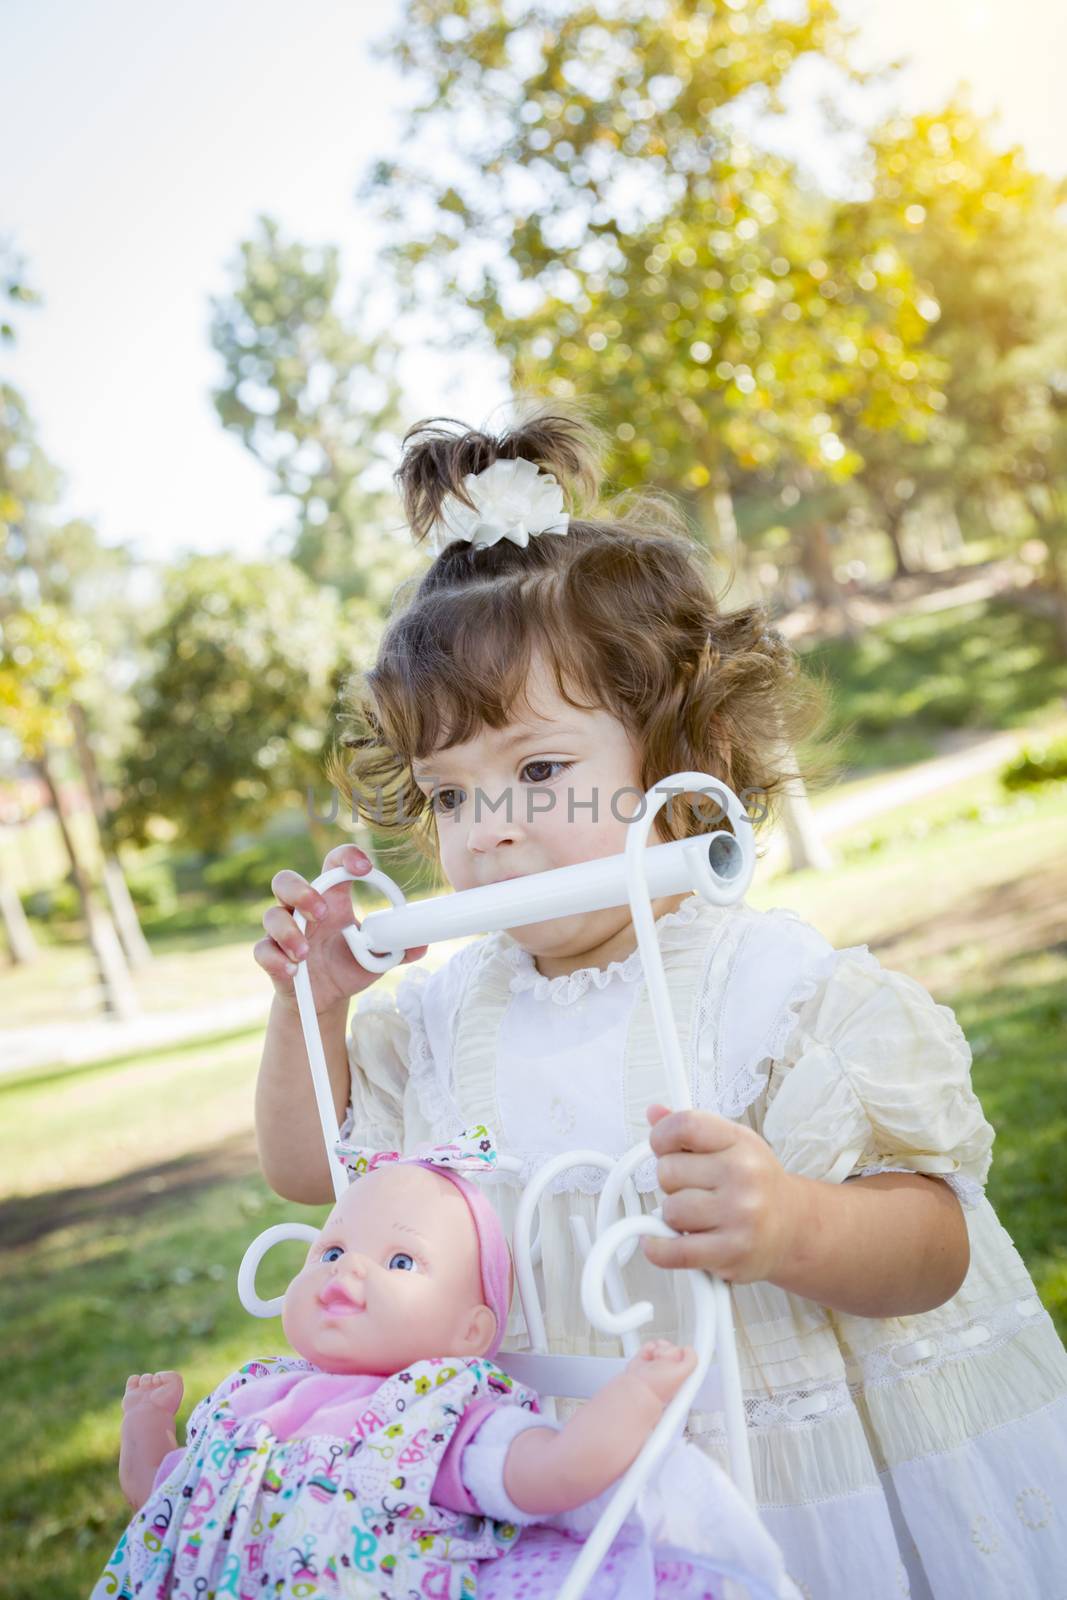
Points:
[472,1151]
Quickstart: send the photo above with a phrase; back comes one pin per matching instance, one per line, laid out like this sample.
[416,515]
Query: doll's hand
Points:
[662,1367]
[334,971]
[727,1193]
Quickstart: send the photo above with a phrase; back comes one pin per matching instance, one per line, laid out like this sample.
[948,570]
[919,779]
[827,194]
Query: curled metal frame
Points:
[719,867]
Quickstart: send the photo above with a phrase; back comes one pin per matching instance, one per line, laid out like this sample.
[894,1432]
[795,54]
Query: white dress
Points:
[922,1455]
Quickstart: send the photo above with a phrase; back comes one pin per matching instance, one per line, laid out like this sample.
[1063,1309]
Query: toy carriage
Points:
[719,867]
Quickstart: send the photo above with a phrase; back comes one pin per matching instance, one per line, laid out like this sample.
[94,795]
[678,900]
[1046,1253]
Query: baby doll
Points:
[371,1464]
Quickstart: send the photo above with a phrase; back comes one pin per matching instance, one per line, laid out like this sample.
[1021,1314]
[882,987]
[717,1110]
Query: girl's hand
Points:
[726,1191]
[334,971]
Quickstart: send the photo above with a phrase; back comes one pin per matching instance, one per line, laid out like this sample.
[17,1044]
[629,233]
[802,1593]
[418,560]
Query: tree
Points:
[604,222]
[50,587]
[986,234]
[14,290]
[317,402]
[233,715]
[44,655]
[62,567]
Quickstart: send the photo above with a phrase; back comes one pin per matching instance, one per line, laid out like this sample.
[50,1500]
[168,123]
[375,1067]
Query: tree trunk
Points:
[806,849]
[21,944]
[120,997]
[1056,586]
[893,520]
[816,558]
[123,911]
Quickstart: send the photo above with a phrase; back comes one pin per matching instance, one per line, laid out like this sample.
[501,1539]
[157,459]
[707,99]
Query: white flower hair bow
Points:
[473,1151]
[513,500]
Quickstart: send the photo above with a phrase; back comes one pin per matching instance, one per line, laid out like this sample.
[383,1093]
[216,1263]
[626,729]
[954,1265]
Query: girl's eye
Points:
[332,1252]
[400,1261]
[563,764]
[437,800]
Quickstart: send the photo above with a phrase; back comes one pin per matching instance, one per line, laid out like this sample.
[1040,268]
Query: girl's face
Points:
[393,1277]
[549,790]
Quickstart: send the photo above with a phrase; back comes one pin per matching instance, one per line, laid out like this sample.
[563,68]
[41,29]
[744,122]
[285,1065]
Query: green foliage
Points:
[247,873]
[1039,763]
[152,886]
[232,716]
[313,398]
[634,247]
[65,606]
[986,235]
[58,903]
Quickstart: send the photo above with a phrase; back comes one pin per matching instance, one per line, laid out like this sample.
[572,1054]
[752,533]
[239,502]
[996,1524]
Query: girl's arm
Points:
[885,1246]
[549,1470]
[291,1150]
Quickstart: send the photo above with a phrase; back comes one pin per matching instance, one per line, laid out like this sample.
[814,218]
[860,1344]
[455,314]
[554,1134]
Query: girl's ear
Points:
[479,1332]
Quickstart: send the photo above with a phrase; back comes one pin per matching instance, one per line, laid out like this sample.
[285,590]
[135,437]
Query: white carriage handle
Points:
[718,866]
[246,1272]
[710,1301]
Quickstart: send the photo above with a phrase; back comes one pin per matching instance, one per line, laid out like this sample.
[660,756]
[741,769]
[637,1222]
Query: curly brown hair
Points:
[623,610]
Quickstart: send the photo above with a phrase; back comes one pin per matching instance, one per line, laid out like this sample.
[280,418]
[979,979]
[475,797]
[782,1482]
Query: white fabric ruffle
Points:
[572,986]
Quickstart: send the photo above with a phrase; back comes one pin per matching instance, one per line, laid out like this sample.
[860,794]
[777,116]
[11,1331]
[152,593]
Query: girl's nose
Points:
[487,828]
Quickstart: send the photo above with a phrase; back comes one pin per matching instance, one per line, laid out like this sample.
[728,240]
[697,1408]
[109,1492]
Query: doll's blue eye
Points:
[400,1261]
[332,1252]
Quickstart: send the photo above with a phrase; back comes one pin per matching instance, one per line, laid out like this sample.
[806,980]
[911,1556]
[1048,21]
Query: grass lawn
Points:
[901,686]
[132,1187]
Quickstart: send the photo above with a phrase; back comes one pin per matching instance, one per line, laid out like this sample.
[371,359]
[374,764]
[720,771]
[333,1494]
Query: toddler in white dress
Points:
[905,1388]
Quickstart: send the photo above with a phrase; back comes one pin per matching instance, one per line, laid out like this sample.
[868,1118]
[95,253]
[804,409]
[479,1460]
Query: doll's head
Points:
[604,653]
[411,1263]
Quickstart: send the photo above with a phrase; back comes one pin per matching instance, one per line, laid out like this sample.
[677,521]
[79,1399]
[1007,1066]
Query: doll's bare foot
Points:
[663,1367]
[149,1407]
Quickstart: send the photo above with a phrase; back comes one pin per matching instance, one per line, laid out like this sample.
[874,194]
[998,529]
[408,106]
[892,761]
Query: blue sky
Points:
[141,141]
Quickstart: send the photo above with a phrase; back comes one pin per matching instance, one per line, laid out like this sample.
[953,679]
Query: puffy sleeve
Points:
[378,1042]
[875,1076]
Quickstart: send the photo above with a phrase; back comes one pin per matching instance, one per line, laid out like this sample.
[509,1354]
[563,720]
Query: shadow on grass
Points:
[1014,917]
[26,1219]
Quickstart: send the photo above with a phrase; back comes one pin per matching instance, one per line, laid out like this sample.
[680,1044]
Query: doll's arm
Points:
[548,1470]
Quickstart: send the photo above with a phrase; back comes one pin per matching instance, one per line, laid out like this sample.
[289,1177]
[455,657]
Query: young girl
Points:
[904,1386]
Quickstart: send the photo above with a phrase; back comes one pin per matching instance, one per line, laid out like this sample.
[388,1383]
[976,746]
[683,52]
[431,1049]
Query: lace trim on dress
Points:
[586,1180]
[798,997]
[435,1102]
[792,1409]
[906,1357]
[732,1097]
[571,986]
[968,1191]
[710,1091]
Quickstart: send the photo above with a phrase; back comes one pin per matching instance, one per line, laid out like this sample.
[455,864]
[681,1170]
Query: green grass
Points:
[901,686]
[132,1289]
